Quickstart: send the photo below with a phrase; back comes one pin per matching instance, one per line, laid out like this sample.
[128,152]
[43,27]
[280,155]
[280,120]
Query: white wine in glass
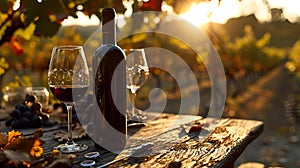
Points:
[68,79]
[137,72]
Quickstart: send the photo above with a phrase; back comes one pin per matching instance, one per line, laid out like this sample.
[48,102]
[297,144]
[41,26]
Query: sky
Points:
[212,11]
[227,9]
[290,8]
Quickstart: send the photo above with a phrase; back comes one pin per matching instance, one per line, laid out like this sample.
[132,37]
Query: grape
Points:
[16,114]
[36,121]
[21,123]
[28,114]
[44,116]
[60,105]
[31,98]
[21,107]
[24,122]
[56,106]
[36,108]
[9,121]
[15,124]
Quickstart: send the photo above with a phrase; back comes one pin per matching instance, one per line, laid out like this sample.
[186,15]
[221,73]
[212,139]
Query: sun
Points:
[198,14]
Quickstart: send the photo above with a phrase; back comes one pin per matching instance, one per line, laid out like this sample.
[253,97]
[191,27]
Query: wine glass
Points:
[137,72]
[68,79]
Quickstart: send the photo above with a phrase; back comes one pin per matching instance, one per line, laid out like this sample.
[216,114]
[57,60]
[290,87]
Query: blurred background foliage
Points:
[29,32]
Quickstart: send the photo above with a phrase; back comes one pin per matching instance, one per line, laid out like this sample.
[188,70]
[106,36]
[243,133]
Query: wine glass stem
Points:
[133,104]
[69,108]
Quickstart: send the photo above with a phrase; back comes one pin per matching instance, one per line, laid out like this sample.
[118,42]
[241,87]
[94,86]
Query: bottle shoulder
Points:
[109,48]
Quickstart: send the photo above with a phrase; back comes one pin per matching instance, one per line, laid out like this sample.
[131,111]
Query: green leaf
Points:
[26,33]
[3,65]
[3,28]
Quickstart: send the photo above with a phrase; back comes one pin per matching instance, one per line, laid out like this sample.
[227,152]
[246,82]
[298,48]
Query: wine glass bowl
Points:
[68,79]
[137,72]
[137,76]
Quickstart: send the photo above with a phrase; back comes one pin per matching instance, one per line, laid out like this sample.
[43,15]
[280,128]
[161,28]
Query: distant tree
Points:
[277,14]
[294,63]
[43,17]
[255,54]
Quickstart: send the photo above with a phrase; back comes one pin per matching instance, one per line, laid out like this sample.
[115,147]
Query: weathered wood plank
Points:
[174,146]
[220,149]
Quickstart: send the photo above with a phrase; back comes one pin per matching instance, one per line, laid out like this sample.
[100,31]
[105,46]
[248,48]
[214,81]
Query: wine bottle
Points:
[109,69]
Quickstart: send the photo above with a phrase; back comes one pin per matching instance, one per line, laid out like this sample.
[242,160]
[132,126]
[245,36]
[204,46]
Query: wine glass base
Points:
[65,148]
[136,124]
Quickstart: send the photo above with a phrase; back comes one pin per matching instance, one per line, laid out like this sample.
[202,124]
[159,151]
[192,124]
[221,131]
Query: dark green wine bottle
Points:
[109,70]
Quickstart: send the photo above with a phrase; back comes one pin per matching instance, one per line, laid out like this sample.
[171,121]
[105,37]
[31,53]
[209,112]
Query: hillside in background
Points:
[283,33]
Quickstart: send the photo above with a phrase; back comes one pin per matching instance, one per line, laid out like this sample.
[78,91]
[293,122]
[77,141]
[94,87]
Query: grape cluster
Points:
[28,114]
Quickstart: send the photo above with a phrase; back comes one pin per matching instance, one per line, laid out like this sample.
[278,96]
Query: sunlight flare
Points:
[198,14]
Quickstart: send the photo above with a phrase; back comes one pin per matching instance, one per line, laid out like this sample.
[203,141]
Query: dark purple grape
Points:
[44,116]
[9,121]
[15,124]
[16,114]
[36,121]
[28,114]
[24,122]
[60,105]
[56,106]
[31,98]
[36,108]
[21,123]
[22,108]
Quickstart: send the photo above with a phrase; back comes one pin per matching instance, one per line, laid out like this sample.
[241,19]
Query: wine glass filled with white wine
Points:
[137,72]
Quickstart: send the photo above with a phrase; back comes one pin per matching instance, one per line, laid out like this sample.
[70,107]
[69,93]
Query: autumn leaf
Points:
[17,48]
[31,145]
[3,139]
[37,149]
[13,137]
[17,156]
[3,63]
[56,160]
[19,150]
[27,32]
[77,133]
[38,133]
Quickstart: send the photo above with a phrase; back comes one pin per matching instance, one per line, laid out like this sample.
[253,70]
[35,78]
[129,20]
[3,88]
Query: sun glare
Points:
[198,14]
[82,20]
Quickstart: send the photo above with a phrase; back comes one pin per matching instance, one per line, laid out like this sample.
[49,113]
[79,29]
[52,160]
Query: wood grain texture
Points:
[181,141]
[219,148]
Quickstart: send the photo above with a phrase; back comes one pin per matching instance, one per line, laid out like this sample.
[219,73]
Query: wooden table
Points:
[176,141]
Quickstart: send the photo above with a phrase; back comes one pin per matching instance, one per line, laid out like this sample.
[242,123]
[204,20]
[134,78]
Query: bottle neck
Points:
[109,32]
